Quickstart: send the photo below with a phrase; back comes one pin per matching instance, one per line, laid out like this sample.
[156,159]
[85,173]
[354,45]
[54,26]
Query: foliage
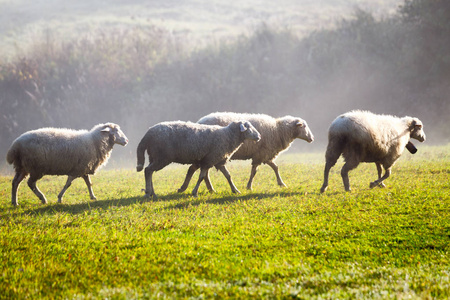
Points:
[269,243]
[137,77]
[95,77]
[431,26]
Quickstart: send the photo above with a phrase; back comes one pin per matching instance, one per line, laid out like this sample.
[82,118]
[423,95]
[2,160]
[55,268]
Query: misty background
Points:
[79,63]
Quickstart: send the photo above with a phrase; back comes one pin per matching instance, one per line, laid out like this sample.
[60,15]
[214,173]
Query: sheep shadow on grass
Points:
[74,209]
[182,201]
[229,198]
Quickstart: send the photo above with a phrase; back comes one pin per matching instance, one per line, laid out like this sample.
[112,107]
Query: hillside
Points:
[198,21]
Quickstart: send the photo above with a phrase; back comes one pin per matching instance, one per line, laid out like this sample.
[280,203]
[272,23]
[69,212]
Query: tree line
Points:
[139,76]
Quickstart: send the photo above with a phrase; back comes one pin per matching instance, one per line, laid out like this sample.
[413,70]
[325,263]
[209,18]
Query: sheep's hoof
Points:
[373,184]
[180,190]
[151,196]
[148,194]
[323,189]
[282,184]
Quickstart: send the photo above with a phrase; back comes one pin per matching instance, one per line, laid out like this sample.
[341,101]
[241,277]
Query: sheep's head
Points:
[116,135]
[416,130]
[302,130]
[249,131]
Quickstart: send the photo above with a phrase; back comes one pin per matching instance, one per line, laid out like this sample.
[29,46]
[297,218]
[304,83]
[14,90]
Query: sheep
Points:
[276,136]
[60,151]
[361,136]
[191,143]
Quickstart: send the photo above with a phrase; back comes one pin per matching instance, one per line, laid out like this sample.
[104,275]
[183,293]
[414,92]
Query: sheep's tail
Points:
[141,155]
[12,156]
[335,148]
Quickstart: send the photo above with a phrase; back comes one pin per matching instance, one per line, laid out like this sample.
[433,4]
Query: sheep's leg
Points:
[252,175]
[208,183]
[66,186]
[380,180]
[152,167]
[379,174]
[326,173]
[188,178]
[87,179]
[348,166]
[15,185]
[149,192]
[227,175]
[275,169]
[334,150]
[201,177]
[32,184]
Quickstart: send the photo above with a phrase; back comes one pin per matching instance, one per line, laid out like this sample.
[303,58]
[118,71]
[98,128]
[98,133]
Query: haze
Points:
[24,20]
[78,63]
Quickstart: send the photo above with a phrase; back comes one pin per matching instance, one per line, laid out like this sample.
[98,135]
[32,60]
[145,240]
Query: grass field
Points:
[277,243]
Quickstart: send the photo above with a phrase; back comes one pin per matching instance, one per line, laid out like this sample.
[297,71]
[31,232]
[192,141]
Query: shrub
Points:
[140,76]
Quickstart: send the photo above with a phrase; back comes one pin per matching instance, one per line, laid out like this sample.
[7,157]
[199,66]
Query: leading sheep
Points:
[191,143]
[56,151]
[277,136]
[361,136]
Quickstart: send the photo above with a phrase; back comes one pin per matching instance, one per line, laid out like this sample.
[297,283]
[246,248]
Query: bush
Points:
[137,77]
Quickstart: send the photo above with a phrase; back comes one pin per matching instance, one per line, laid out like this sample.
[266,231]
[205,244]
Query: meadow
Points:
[272,242]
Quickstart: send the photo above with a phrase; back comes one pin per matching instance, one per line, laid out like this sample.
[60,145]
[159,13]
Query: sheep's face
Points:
[417,130]
[302,131]
[115,134]
[249,131]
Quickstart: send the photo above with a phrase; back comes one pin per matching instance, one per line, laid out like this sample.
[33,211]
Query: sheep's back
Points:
[374,135]
[365,125]
[182,143]
[265,125]
[55,152]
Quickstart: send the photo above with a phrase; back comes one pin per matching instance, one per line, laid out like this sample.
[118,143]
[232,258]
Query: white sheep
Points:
[361,136]
[58,151]
[276,136]
[191,143]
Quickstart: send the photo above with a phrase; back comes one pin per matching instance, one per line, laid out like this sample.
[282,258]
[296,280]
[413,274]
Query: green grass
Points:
[390,243]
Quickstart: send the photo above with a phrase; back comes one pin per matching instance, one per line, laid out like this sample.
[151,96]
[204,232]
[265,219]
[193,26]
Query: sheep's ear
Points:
[106,129]
[300,124]
[243,128]
[415,125]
